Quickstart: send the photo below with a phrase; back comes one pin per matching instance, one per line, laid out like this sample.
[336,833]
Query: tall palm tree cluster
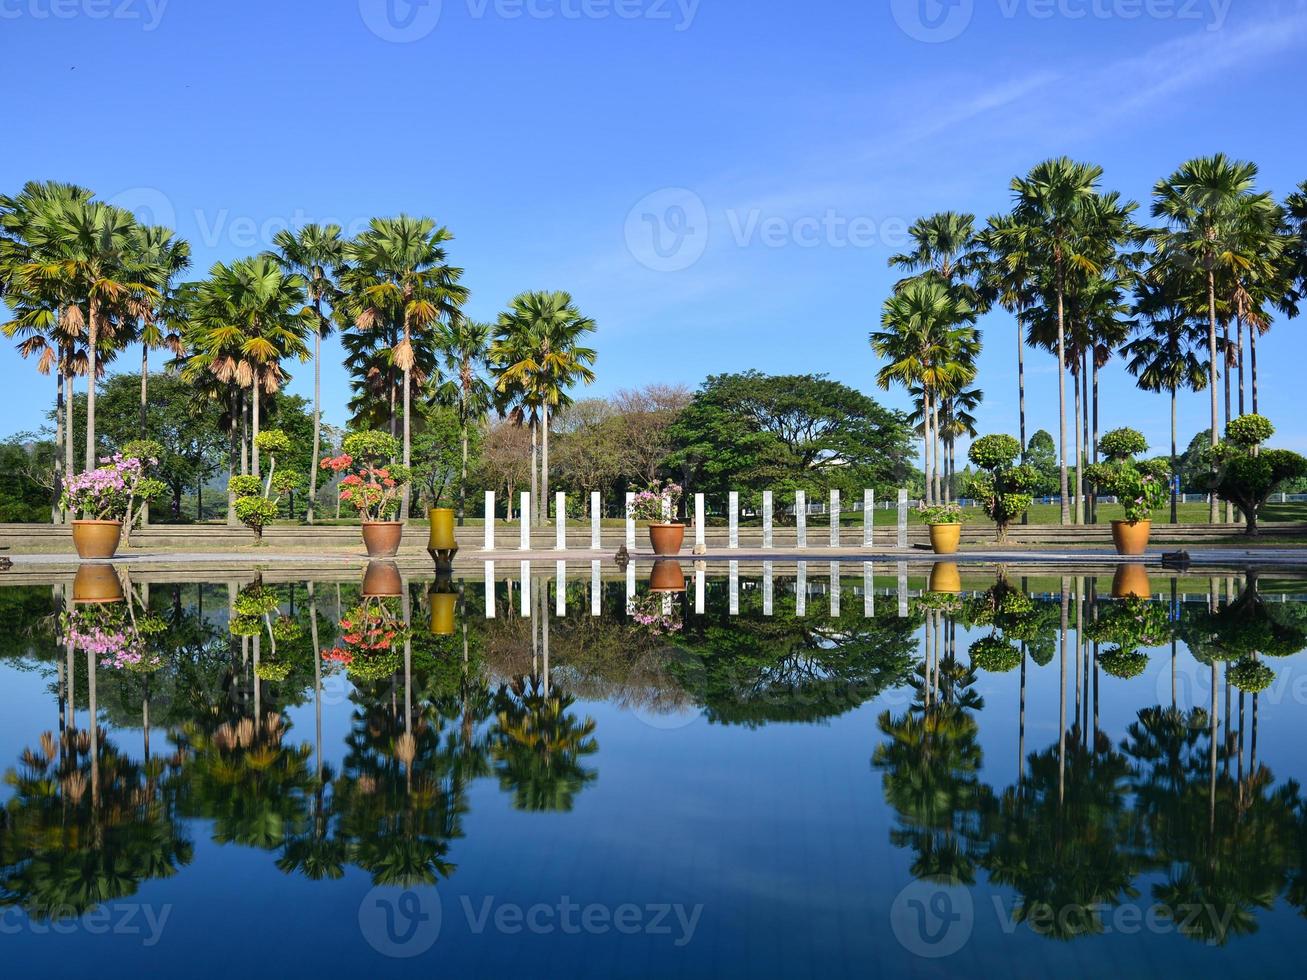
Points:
[1085,280]
[83,279]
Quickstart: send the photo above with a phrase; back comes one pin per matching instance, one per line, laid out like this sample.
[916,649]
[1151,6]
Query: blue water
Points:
[853,791]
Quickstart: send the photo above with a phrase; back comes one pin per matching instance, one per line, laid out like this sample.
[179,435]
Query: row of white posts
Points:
[733,520]
[800,588]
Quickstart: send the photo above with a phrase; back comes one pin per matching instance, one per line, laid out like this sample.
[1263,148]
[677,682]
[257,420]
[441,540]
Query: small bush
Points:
[274,442]
[1251,675]
[1122,444]
[1249,430]
[256,513]
[1124,664]
[244,485]
[995,655]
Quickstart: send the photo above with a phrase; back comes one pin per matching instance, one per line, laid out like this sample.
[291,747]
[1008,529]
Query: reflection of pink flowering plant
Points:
[646,612]
[108,632]
[650,505]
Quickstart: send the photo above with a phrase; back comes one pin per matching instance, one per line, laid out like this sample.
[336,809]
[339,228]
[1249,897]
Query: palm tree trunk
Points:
[232,451]
[145,375]
[926,443]
[245,435]
[408,435]
[1174,500]
[1252,350]
[938,452]
[317,416]
[92,339]
[56,515]
[1093,448]
[544,464]
[462,477]
[254,431]
[534,509]
[70,468]
[1061,717]
[1021,400]
[1229,507]
[1061,404]
[1213,510]
[1077,383]
[1238,352]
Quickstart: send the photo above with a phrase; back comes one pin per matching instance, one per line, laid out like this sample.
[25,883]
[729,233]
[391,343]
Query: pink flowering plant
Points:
[648,614]
[653,503]
[373,483]
[114,635]
[118,490]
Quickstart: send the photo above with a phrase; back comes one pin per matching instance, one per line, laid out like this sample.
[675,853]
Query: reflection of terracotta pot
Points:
[442,531]
[945,576]
[382,579]
[97,583]
[667,576]
[96,539]
[381,538]
[666,538]
[1131,537]
[1131,582]
[944,538]
[443,606]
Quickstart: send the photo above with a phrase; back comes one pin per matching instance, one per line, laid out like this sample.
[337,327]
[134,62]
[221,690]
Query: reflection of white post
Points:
[490,520]
[699,587]
[525,517]
[801,518]
[630,521]
[699,540]
[903,588]
[868,589]
[667,510]
[630,585]
[834,518]
[767,593]
[801,590]
[560,513]
[766,518]
[490,590]
[525,591]
[596,589]
[868,517]
[735,588]
[596,519]
[560,589]
[667,603]
[903,519]
[733,517]
[834,588]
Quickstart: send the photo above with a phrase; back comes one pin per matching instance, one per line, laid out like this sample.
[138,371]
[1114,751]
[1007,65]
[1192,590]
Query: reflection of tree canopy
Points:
[538,746]
[69,843]
[753,669]
[1246,626]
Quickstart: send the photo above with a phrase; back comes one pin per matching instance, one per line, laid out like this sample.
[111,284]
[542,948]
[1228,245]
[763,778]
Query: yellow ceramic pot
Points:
[944,538]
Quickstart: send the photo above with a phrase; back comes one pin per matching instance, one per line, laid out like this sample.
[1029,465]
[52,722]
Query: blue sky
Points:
[718,182]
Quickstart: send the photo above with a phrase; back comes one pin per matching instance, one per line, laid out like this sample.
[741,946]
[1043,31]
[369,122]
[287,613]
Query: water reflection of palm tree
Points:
[538,746]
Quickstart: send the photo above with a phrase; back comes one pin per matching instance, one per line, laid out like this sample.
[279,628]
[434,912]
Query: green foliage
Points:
[1005,491]
[1251,675]
[1247,431]
[273,442]
[255,600]
[286,630]
[287,481]
[245,485]
[275,671]
[1041,456]
[1123,663]
[994,452]
[994,654]
[371,447]
[437,453]
[1118,445]
[256,513]
[143,449]
[372,667]
[26,479]
[1247,475]
[245,626]
[940,513]
[1140,487]
[1130,623]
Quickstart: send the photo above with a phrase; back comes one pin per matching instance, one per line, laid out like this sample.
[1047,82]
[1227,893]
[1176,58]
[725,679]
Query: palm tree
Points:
[248,318]
[317,254]
[946,247]
[1005,277]
[535,357]
[401,282]
[925,333]
[161,321]
[1205,203]
[1164,356]
[466,347]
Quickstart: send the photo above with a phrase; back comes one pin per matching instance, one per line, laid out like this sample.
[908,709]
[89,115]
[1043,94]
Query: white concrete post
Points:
[630,586]
[525,519]
[490,520]
[560,512]
[630,521]
[766,518]
[834,588]
[868,517]
[560,589]
[699,533]
[801,518]
[490,590]
[735,588]
[733,516]
[768,589]
[524,592]
[903,519]
[868,589]
[903,588]
[801,589]
[596,589]
[699,587]
[834,518]
[596,521]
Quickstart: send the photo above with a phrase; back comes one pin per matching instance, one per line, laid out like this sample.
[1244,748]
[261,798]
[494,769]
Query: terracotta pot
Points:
[945,577]
[667,576]
[96,539]
[1131,582]
[944,538]
[1131,537]
[97,583]
[382,538]
[382,579]
[666,538]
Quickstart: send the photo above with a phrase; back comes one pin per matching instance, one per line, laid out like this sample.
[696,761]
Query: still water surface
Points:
[777,772]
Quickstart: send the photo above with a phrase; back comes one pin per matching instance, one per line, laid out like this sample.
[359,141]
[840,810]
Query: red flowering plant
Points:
[372,635]
[373,483]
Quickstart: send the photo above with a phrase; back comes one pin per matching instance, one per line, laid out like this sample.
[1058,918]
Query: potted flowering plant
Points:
[945,522]
[370,635]
[1139,486]
[652,613]
[374,486]
[115,493]
[656,505]
[114,634]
